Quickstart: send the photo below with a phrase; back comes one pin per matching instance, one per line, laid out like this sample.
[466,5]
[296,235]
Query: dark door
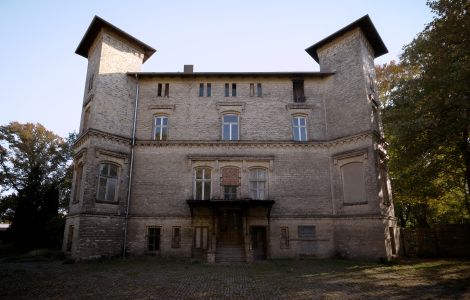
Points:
[258,242]
[230,227]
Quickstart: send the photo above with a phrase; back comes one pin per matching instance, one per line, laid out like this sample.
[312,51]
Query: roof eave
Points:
[367,27]
[93,30]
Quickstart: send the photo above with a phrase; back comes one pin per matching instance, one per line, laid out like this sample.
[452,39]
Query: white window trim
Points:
[116,188]
[258,181]
[203,181]
[299,128]
[230,126]
[155,126]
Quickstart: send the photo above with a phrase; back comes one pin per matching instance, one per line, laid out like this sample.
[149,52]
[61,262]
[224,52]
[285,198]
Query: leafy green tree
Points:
[426,119]
[33,167]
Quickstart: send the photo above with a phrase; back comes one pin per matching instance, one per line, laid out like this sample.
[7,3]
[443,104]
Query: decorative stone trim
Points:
[231,106]
[101,134]
[88,99]
[163,108]
[119,155]
[348,154]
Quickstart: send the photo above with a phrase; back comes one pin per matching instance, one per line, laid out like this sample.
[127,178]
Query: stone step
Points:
[230,254]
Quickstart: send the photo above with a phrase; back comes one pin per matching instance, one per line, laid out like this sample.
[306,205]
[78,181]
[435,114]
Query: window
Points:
[284,237]
[208,90]
[161,128]
[392,240]
[299,129]
[153,239]
[69,239]
[227,89]
[86,118]
[201,237]
[201,90]
[353,182]
[298,87]
[90,82]
[167,90]
[257,184]
[259,91]
[78,183]
[306,231]
[234,89]
[176,237]
[230,127]
[202,184]
[159,90]
[252,89]
[230,192]
[107,183]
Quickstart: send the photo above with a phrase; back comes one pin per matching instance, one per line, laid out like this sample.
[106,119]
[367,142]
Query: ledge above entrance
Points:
[233,203]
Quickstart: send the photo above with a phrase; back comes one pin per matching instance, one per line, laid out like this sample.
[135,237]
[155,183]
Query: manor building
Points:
[231,166]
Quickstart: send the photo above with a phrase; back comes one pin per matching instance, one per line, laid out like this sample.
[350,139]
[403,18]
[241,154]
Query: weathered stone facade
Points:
[300,171]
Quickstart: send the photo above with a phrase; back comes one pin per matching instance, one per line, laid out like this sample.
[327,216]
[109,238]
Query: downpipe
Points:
[131,166]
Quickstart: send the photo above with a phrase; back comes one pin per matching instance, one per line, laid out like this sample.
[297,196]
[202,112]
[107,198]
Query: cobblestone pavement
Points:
[154,278]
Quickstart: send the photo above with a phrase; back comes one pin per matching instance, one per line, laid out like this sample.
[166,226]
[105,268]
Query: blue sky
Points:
[42,78]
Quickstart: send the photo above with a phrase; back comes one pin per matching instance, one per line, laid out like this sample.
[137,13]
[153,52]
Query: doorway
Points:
[258,242]
[230,227]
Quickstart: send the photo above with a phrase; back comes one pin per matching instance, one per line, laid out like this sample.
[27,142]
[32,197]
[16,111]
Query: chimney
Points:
[188,68]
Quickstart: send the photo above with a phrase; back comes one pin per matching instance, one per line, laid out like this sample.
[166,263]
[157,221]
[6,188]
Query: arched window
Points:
[258,184]
[160,128]
[202,184]
[299,128]
[230,127]
[107,183]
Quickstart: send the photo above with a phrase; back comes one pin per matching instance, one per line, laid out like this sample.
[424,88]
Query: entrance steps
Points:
[230,253]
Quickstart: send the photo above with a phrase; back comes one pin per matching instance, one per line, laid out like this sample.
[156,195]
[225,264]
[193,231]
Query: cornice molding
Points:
[85,136]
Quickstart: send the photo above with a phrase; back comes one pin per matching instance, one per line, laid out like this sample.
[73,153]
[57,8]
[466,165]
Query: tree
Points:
[426,119]
[33,168]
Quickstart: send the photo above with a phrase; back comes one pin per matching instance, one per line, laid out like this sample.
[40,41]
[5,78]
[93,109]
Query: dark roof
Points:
[96,24]
[219,74]
[367,27]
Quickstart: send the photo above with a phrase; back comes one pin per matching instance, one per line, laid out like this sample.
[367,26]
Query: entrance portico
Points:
[237,230]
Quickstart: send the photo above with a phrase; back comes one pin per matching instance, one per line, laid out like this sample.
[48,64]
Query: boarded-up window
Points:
[86,119]
[284,237]
[353,182]
[230,176]
[307,231]
[201,237]
[153,238]
[176,237]
[78,183]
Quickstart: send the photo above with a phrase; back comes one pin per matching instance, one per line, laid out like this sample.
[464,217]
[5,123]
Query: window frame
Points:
[208,89]
[203,237]
[204,180]
[299,127]
[259,90]
[298,91]
[284,240]
[201,89]
[302,235]
[257,182]
[77,183]
[230,124]
[108,177]
[162,127]
[159,235]
[176,238]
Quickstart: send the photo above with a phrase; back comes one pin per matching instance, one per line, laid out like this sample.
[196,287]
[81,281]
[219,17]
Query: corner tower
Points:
[95,224]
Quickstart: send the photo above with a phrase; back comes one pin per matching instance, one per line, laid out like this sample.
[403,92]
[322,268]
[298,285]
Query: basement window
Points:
[306,231]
